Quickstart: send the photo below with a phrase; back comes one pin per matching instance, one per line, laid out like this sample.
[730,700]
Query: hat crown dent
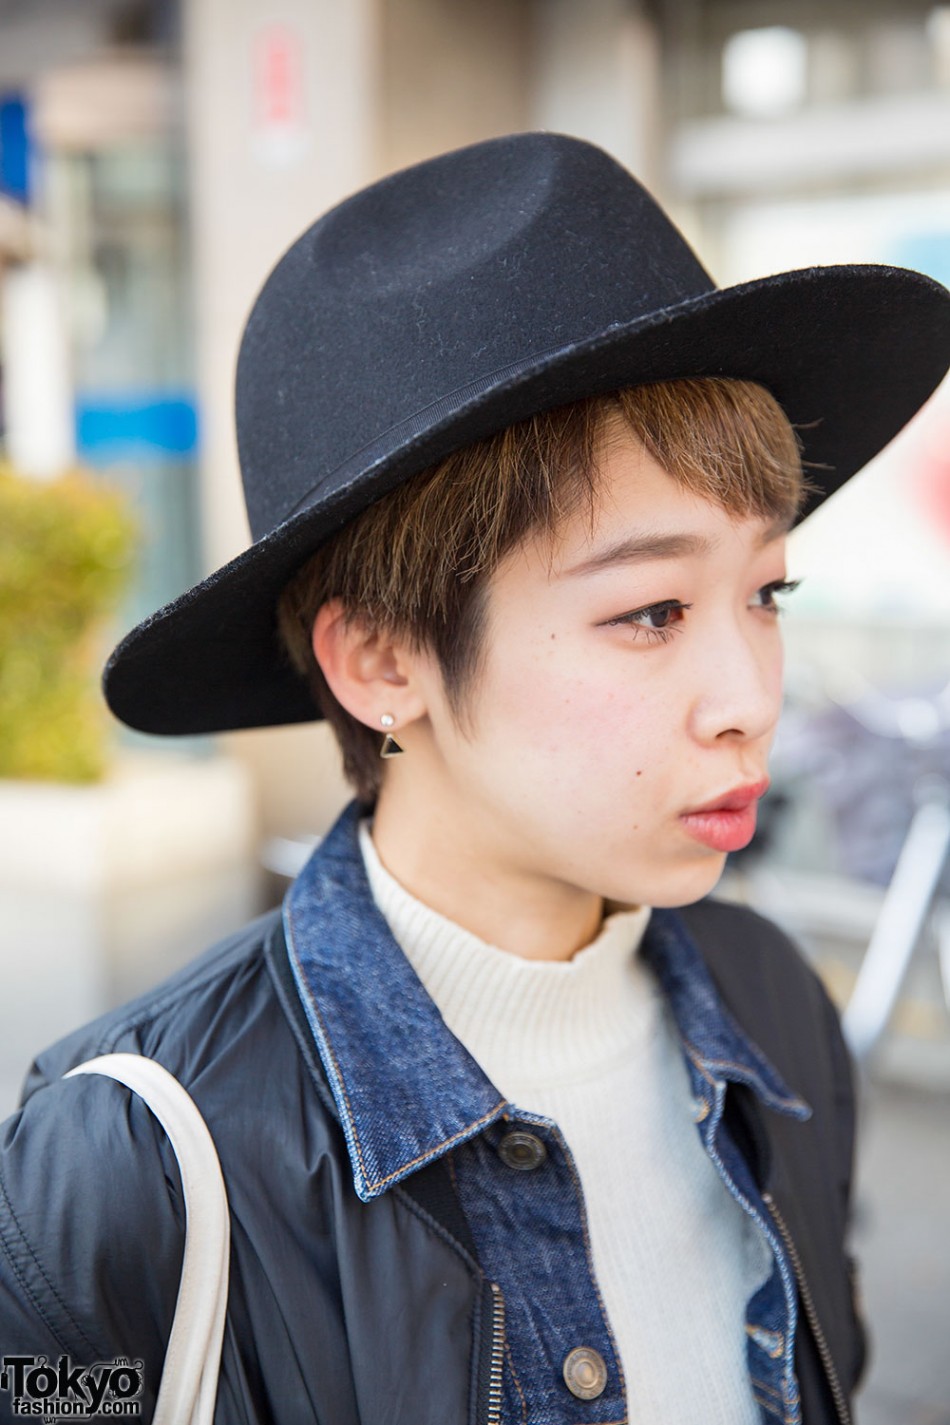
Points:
[432,279]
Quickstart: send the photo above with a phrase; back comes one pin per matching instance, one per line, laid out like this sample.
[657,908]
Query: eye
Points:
[768,593]
[657,622]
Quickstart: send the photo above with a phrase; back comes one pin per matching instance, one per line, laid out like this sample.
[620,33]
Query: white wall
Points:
[255,185]
[596,74]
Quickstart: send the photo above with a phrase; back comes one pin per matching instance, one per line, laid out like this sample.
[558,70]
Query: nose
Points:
[738,685]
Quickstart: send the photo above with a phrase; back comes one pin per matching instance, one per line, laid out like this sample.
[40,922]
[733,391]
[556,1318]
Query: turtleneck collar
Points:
[528,1022]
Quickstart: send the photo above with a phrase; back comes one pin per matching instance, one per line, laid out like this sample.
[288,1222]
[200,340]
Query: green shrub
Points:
[66,551]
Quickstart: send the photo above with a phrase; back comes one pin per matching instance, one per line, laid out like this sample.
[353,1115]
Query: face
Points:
[631,680]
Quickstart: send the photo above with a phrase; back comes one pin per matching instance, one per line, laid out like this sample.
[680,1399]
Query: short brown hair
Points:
[419,561]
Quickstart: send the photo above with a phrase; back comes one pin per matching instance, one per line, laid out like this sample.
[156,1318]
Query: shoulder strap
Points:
[192,1361]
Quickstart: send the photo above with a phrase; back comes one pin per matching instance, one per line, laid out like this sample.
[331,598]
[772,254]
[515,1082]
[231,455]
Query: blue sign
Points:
[137,426]
[14,148]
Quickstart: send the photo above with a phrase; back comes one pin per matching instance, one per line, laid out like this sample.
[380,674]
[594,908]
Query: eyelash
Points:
[663,635]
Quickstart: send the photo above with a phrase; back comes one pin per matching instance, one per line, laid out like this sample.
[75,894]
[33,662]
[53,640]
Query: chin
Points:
[690,885]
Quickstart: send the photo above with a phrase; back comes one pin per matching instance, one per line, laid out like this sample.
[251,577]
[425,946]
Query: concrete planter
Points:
[106,889]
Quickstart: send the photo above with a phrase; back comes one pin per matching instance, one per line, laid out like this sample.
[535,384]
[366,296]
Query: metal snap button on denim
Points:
[521,1150]
[585,1373]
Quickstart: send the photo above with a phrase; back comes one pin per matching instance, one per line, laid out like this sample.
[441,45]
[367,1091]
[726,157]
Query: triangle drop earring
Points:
[390,747]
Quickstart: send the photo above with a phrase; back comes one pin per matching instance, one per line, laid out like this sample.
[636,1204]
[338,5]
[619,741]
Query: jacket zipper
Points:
[841,1405]
[497,1356]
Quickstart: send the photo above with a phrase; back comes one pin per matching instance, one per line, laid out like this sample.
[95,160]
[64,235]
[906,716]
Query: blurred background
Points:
[156,157]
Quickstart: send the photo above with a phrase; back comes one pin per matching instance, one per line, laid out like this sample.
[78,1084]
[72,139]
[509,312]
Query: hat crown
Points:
[433,280]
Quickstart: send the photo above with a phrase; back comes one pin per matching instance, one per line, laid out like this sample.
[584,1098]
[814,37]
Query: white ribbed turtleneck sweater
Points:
[590,1044]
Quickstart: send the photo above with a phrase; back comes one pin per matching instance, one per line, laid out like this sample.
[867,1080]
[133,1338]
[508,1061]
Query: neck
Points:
[482,884]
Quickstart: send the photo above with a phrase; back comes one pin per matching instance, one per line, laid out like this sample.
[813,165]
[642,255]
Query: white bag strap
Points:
[189,1383]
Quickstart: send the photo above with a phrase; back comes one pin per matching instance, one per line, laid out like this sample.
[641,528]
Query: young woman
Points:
[516,1124]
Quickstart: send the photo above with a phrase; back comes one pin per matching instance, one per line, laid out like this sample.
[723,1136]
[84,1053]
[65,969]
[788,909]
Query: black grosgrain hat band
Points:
[455,298]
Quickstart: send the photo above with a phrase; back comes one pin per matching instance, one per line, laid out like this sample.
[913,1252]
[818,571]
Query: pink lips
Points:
[728,823]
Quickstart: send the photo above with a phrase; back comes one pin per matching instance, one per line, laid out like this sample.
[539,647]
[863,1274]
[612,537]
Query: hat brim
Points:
[851,353]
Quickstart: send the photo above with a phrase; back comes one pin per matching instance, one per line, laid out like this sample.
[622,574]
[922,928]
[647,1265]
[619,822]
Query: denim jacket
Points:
[386,1264]
[408,1092]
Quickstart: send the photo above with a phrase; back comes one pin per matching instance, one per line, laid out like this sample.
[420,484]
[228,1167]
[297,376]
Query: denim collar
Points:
[406,1090]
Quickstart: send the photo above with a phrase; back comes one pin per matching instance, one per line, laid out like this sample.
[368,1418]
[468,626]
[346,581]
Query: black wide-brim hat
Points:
[458,297]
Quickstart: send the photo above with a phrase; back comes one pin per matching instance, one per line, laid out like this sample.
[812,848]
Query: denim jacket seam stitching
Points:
[302,1034]
[568,1158]
[793,1101]
[769,1405]
[517,1383]
[375,1184]
[778,1248]
[764,1385]
[343,1090]
[430,1153]
[753,1332]
[697,1061]
[756,1054]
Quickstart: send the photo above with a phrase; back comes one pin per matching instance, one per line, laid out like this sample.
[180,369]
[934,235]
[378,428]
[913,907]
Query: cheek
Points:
[579,724]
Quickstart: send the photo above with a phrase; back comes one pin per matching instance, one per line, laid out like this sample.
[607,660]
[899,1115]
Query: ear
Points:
[368,672]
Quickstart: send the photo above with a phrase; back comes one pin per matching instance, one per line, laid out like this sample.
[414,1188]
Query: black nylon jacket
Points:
[343,1312]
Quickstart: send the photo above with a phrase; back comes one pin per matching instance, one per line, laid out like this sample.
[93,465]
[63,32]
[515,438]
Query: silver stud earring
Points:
[390,747]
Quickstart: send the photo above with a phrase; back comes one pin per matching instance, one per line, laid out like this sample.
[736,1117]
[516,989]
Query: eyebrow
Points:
[640,548]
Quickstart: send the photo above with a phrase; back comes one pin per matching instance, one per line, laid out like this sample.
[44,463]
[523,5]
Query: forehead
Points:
[641,512]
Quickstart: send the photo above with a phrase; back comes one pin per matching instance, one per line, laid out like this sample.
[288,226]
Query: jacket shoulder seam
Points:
[158,1003]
